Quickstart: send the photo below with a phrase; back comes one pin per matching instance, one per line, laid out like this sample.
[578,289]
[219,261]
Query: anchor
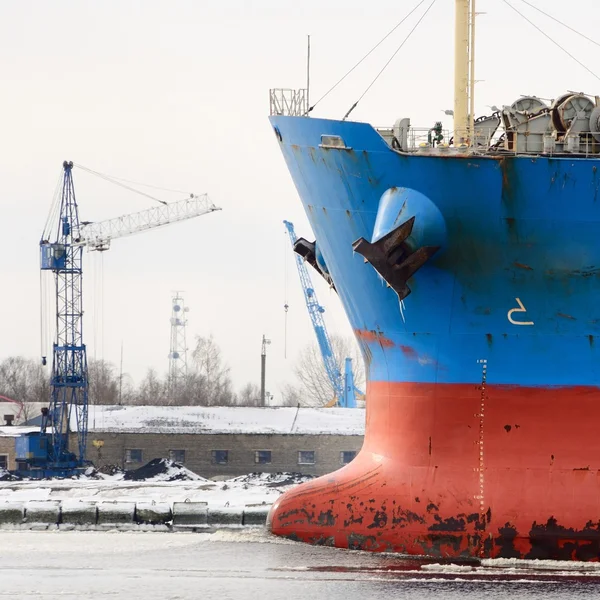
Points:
[392,257]
[308,251]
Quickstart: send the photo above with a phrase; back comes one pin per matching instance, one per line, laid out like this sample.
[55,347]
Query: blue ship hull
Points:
[482,357]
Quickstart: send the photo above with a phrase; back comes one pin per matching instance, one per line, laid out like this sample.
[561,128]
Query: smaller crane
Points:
[343,385]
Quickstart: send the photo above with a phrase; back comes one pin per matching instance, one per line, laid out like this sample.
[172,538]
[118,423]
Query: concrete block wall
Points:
[241,451]
[127,516]
[7,448]
[198,449]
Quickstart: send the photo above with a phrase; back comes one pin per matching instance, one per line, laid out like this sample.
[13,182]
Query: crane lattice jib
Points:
[315,310]
[69,381]
[97,236]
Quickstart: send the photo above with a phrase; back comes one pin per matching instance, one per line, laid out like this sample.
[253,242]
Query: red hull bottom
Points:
[462,471]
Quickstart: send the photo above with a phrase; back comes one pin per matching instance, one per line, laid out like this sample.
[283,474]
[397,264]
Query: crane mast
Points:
[69,380]
[343,385]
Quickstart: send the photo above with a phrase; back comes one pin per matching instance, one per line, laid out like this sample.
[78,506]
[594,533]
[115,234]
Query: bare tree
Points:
[106,386]
[249,395]
[27,381]
[318,390]
[152,390]
[103,382]
[24,380]
[211,373]
[292,396]
[191,391]
[127,391]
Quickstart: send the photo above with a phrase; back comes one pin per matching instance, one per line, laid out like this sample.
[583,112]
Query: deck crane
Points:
[46,453]
[343,385]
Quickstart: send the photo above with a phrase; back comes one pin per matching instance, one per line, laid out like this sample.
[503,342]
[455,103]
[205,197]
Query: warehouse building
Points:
[218,441]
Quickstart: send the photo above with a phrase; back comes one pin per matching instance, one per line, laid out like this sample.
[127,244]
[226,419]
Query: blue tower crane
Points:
[69,380]
[46,453]
[343,385]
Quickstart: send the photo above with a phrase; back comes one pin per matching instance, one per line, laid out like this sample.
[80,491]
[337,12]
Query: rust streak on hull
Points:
[374,336]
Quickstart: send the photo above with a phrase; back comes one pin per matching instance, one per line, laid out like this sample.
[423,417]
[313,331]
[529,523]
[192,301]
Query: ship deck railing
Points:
[286,101]
[418,137]
[419,140]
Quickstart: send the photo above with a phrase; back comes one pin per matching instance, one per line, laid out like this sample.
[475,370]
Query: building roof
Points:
[215,419]
[16,431]
[226,419]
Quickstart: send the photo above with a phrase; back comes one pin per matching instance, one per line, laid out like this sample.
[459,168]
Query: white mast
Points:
[472,73]
[464,71]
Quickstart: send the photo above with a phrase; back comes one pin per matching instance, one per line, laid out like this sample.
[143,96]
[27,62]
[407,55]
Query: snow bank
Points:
[168,494]
[7,476]
[272,479]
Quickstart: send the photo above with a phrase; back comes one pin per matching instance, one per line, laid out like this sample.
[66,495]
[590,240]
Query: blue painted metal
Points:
[69,380]
[514,282]
[350,389]
[53,256]
[343,386]
[32,447]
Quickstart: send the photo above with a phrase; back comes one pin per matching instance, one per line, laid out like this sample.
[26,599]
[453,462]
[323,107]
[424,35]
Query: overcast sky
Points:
[175,93]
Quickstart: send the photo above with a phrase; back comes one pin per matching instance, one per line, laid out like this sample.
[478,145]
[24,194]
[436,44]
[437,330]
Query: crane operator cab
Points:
[53,256]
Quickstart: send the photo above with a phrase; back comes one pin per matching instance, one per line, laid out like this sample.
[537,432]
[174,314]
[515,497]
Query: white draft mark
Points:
[521,309]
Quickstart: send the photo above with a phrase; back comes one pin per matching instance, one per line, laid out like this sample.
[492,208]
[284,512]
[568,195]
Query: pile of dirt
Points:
[110,470]
[158,469]
[280,479]
[161,469]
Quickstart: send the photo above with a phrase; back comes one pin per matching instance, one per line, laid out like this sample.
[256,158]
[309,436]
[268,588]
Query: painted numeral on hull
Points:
[521,309]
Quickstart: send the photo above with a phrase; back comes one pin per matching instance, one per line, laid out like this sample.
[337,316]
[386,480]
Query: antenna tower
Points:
[178,351]
[263,370]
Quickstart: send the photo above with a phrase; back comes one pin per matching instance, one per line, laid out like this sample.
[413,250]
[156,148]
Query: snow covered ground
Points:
[159,482]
